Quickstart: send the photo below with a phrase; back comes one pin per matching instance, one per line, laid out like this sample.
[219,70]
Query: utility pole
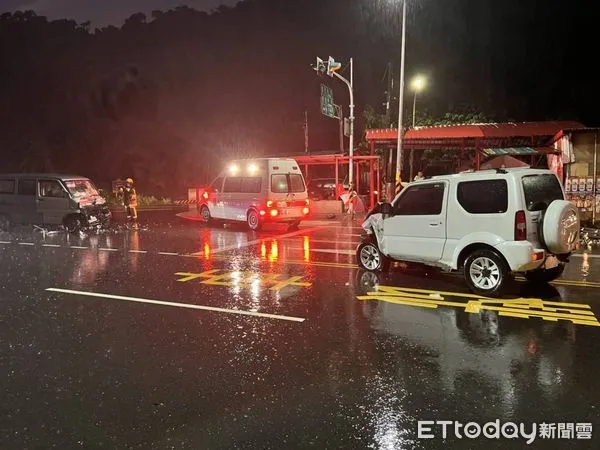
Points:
[388,123]
[305,131]
[388,94]
[401,96]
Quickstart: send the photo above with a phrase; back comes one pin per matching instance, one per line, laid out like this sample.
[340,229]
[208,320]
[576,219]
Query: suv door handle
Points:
[434,224]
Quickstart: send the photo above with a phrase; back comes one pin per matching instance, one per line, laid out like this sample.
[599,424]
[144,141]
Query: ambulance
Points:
[257,191]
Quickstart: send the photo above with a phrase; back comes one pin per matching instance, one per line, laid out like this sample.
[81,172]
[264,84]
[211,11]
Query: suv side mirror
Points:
[387,210]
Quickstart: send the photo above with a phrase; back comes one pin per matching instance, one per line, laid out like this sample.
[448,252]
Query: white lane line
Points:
[178,305]
[580,255]
[257,241]
[168,254]
[108,249]
[78,247]
[138,251]
[51,245]
[26,243]
[5,242]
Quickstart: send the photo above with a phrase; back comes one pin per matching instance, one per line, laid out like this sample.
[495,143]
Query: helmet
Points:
[129,180]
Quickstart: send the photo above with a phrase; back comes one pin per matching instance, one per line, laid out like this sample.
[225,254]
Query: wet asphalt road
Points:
[317,363]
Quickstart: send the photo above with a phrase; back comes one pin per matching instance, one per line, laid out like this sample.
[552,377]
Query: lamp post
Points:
[417,84]
[401,96]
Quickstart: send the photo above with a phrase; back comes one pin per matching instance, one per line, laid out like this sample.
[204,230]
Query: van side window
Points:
[251,185]
[27,187]
[421,200]
[232,184]
[7,186]
[483,197]
[217,185]
[50,188]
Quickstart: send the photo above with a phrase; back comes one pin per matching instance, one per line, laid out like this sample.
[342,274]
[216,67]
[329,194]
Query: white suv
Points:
[489,223]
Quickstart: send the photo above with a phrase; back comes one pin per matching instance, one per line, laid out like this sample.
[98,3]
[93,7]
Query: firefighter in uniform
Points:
[129,197]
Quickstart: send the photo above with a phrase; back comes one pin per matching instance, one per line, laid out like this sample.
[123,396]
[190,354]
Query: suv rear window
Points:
[541,190]
[483,197]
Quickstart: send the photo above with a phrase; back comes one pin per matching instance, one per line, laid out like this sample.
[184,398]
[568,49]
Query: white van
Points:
[257,191]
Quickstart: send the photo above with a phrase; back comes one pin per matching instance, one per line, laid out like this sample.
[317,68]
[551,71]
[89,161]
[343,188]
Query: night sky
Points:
[103,12]
[239,82]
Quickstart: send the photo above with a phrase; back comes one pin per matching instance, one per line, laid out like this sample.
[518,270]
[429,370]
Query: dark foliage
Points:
[168,98]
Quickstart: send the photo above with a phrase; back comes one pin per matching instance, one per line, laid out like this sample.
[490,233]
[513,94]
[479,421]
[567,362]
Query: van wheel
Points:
[542,276]
[253,220]
[486,272]
[205,213]
[5,223]
[73,224]
[370,258]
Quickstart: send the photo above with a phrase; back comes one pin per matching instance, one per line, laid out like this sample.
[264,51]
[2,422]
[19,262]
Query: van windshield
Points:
[81,188]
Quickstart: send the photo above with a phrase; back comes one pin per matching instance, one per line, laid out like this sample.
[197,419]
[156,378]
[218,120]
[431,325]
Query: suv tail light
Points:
[520,226]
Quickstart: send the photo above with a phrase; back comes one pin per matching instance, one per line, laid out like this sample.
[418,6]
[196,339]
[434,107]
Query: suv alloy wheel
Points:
[370,258]
[485,272]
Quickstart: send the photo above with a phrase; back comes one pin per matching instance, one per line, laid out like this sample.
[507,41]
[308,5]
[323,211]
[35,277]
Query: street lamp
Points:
[417,84]
[401,96]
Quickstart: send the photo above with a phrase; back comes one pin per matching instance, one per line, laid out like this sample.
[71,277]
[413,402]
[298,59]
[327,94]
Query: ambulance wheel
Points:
[205,213]
[253,220]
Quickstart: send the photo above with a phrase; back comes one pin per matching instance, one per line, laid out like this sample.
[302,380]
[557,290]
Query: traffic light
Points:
[332,66]
[321,67]
[328,67]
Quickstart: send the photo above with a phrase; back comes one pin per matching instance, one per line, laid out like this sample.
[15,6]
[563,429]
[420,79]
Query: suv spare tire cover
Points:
[561,227]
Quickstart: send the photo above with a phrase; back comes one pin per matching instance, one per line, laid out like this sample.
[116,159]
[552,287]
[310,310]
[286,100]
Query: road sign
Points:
[327,106]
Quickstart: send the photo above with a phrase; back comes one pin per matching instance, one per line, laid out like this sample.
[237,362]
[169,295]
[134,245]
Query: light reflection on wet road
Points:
[102,372]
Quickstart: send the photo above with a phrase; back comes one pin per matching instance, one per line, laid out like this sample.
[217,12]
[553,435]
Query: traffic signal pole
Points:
[350,84]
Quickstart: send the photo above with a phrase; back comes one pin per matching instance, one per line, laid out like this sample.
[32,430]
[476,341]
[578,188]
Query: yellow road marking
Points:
[243,279]
[523,308]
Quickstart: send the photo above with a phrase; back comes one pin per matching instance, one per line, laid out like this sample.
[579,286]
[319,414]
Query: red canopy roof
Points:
[474,131]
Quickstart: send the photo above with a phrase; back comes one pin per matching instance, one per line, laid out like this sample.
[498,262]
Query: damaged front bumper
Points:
[97,215]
